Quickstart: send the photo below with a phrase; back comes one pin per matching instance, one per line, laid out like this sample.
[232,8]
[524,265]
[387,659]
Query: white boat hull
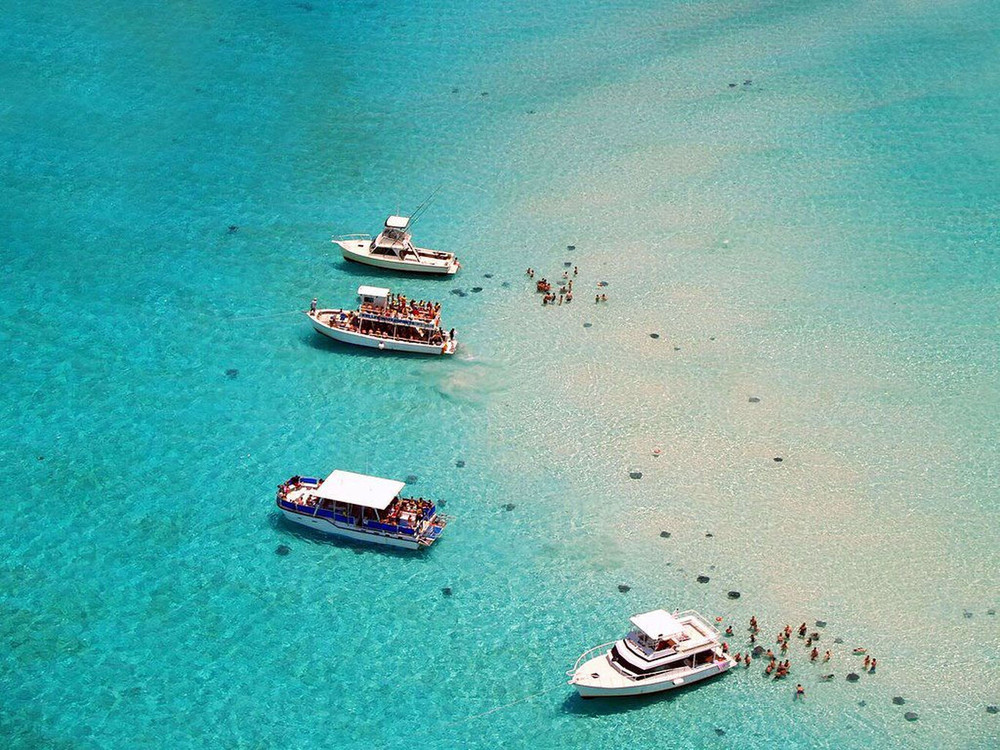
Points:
[358,251]
[598,678]
[375,342]
[327,526]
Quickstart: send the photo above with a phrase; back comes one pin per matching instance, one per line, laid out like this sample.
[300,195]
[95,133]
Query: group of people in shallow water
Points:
[777,669]
[565,294]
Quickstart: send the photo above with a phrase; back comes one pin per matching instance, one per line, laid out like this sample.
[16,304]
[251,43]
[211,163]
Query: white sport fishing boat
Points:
[663,652]
[361,507]
[388,322]
[394,249]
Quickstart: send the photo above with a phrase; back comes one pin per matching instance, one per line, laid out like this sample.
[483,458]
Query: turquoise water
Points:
[823,239]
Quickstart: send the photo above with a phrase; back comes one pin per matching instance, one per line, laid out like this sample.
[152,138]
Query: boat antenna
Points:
[419,211]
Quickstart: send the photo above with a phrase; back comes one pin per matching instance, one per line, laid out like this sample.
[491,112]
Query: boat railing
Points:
[702,620]
[586,655]
[349,237]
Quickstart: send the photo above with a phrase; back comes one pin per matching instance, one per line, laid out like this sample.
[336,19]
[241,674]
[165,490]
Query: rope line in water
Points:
[508,705]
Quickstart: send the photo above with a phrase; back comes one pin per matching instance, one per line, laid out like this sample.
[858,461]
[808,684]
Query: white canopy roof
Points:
[359,489]
[372,291]
[397,222]
[658,624]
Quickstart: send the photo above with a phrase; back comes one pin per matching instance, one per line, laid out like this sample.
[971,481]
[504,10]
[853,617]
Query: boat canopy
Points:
[397,222]
[359,489]
[658,624]
[374,295]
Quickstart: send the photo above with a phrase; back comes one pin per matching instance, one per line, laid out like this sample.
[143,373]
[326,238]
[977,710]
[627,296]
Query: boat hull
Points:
[327,526]
[376,342]
[609,682]
[358,252]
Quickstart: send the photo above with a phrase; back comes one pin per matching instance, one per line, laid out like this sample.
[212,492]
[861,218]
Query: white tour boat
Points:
[663,652]
[394,249]
[357,506]
[387,321]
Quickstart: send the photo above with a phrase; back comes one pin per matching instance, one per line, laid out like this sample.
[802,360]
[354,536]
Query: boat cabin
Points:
[657,632]
[394,239]
[661,640]
[374,296]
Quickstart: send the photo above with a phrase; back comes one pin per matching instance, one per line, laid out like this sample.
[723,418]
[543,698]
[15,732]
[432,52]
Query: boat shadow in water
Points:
[310,536]
[607,706]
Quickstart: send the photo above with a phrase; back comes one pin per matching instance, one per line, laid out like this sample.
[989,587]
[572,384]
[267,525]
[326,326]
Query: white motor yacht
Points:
[393,249]
[663,652]
[387,321]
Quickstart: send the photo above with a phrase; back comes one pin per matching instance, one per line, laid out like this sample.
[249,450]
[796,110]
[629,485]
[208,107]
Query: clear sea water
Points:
[821,236]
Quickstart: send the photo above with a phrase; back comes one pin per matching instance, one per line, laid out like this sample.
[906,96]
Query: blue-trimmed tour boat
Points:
[361,507]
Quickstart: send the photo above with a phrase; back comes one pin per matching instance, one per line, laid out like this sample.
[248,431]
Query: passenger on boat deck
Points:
[312,305]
